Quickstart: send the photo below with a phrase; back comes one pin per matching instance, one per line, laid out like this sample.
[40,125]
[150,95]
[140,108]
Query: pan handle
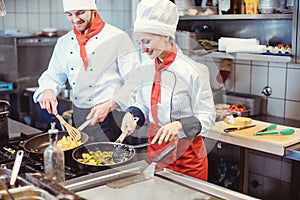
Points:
[140,145]
[164,153]
[16,167]
[125,132]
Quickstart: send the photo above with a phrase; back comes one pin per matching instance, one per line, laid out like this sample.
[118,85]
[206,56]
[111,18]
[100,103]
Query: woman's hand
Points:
[48,101]
[128,123]
[101,111]
[167,133]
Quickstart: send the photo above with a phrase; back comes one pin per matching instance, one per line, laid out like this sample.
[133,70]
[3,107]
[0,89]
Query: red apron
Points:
[190,155]
[189,158]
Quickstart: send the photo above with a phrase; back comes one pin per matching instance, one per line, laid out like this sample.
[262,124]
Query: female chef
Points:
[95,58]
[175,93]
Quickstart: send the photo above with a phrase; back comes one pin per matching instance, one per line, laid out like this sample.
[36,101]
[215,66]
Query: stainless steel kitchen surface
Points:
[22,61]
[166,184]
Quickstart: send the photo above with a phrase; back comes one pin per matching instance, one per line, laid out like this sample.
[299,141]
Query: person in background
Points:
[95,58]
[175,96]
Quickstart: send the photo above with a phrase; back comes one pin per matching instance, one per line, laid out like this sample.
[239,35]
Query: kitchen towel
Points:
[226,41]
[234,48]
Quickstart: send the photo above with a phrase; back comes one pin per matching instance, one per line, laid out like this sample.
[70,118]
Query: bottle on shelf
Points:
[237,7]
[224,7]
[54,161]
[251,6]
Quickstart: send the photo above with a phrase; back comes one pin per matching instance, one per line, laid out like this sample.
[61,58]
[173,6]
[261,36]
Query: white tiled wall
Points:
[285,98]
[259,74]
[277,80]
[242,78]
[276,107]
[250,77]
[34,15]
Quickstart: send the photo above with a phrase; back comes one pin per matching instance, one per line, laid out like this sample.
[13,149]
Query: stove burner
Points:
[32,163]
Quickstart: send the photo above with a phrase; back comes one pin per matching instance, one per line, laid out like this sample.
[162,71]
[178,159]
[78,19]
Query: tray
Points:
[253,102]
[277,54]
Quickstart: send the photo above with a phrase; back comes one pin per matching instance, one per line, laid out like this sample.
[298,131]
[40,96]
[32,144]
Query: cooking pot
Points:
[29,193]
[128,155]
[38,143]
[4,112]
[5,175]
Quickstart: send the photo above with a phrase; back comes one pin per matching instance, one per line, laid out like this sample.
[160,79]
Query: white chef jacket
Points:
[111,56]
[185,92]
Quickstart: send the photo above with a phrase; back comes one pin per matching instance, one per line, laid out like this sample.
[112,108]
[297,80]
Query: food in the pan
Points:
[67,143]
[97,158]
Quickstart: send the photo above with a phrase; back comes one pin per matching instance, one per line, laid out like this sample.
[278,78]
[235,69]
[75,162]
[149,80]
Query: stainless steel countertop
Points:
[166,184]
[15,128]
[155,188]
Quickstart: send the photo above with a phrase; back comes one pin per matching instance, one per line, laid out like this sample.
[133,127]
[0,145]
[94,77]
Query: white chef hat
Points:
[156,16]
[79,5]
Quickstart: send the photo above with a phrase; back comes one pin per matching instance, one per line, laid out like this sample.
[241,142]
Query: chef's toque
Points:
[157,17]
[79,5]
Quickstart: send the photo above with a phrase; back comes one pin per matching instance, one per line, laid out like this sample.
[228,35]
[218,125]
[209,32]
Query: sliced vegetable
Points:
[97,157]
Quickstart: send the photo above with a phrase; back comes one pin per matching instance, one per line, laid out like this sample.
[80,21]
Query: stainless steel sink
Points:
[293,152]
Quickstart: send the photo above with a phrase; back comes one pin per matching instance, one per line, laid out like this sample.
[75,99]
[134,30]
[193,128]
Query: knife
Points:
[238,128]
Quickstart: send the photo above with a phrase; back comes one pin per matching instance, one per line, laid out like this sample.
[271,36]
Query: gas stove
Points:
[32,163]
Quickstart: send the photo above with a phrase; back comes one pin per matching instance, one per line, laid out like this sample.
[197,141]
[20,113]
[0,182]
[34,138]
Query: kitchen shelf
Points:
[238,17]
[247,56]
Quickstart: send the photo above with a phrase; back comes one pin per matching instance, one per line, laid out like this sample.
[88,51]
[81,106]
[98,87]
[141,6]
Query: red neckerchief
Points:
[156,89]
[95,28]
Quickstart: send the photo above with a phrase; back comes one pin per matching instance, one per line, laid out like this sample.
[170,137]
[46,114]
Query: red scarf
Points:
[156,90]
[95,28]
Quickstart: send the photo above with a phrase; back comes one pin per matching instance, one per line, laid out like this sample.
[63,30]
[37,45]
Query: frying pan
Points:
[128,155]
[38,143]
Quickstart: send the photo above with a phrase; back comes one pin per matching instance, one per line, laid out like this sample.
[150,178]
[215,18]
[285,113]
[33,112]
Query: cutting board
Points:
[274,144]
[250,131]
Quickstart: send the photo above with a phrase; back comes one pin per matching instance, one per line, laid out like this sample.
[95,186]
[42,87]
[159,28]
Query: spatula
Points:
[125,132]
[72,131]
[282,132]
[120,150]
[151,168]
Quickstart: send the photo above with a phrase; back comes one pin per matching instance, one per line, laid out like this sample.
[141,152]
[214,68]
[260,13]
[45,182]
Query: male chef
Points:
[95,58]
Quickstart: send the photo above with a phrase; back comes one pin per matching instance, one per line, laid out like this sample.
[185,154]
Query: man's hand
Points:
[101,111]
[167,133]
[48,101]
